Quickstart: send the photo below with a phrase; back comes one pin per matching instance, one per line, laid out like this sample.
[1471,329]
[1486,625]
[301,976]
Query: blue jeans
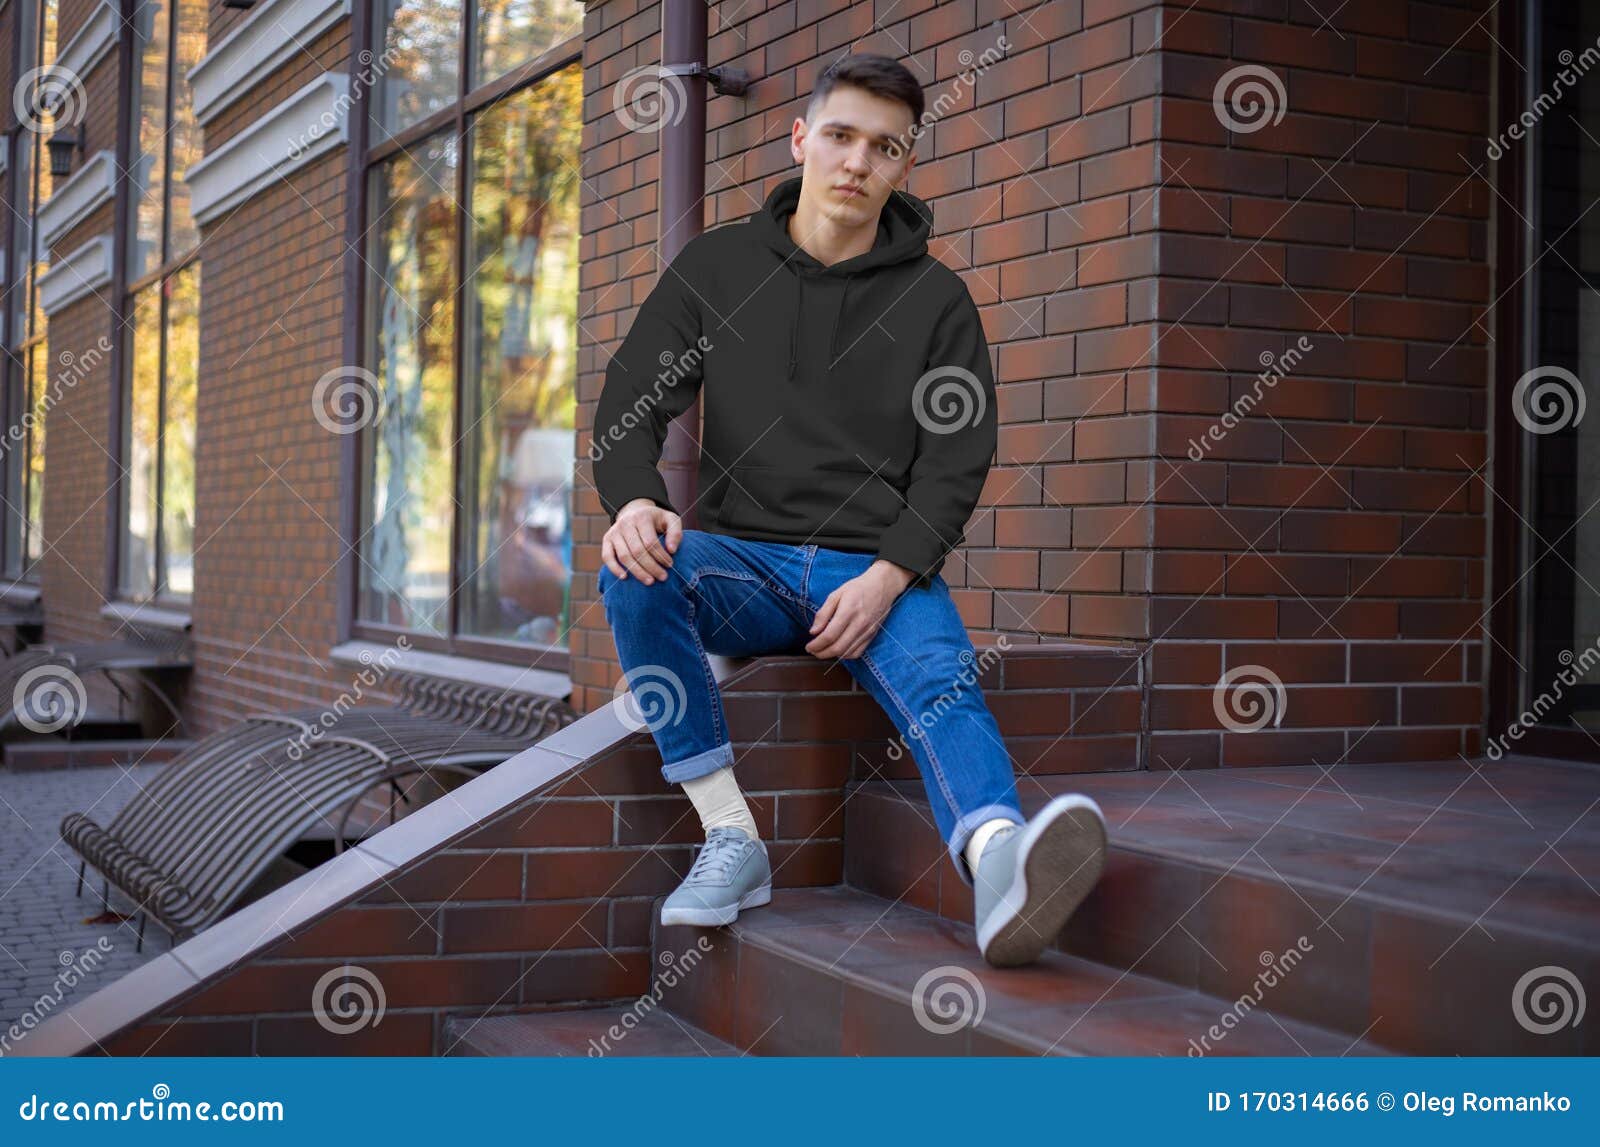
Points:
[740,598]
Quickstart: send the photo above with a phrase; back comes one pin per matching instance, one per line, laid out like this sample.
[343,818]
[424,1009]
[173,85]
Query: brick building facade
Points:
[1237,261]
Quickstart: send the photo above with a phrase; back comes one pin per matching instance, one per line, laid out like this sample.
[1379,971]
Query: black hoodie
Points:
[851,406]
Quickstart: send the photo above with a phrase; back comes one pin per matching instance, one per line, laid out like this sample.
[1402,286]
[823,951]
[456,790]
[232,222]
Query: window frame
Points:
[124,235]
[364,157]
[15,356]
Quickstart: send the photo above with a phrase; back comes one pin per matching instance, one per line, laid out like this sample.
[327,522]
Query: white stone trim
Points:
[142,613]
[276,31]
[72,202]
[74,276]
[511,678]
[311,121]
[90,43]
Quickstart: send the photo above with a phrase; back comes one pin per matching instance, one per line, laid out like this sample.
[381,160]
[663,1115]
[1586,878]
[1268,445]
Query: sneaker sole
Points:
[710,917]
[1059,859]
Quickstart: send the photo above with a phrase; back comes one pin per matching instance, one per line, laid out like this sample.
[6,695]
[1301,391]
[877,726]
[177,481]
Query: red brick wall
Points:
[268,508]
[266,523]
[77,500]
[1336,536]
[1133,261]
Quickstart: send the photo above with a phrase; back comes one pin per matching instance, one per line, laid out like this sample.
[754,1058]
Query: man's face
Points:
[856,140]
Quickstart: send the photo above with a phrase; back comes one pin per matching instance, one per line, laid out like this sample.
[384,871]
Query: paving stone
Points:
[40,919]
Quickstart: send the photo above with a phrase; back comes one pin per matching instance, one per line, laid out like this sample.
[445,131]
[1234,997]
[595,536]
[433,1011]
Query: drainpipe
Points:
[681,212]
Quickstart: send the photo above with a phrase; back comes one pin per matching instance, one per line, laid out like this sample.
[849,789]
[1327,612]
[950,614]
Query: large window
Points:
[470,325]
[162,307]
[28,384]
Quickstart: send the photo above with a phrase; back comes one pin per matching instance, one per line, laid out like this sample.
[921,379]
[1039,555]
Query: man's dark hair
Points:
[881,75]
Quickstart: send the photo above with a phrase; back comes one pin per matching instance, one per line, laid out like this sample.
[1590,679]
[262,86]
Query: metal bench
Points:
[37,683]
[222,813]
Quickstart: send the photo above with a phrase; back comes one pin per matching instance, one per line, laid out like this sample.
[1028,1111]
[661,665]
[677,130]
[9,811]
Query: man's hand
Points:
[853,613]
[631,541]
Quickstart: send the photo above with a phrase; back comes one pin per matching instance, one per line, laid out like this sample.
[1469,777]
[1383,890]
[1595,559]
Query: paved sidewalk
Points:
[41,923]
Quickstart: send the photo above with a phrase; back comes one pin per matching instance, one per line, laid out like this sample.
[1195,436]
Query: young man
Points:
[849,426]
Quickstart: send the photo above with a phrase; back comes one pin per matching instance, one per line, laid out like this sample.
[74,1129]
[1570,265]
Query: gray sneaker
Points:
[1030,879]
[731,872]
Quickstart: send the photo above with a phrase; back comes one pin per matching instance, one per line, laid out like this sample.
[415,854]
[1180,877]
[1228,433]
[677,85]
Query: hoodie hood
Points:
[904,224]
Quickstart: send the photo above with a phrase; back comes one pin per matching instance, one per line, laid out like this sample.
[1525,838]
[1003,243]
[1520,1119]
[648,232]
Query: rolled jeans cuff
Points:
[699,765]
[968,824]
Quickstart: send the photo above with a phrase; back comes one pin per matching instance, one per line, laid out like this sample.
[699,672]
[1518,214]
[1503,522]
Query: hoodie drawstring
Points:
[833,345]
[794,321]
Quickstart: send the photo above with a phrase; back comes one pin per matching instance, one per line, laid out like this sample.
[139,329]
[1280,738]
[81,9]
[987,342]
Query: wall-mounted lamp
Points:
[62,144]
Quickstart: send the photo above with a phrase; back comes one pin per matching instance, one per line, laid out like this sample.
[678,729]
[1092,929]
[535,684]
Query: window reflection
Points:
[520,359]
[405,574]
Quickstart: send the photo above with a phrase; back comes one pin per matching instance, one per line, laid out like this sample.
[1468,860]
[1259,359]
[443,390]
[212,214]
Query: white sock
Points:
[716,797]
[980,839]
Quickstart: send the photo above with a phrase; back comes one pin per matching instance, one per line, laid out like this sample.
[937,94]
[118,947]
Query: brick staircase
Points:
[1398,905]
[1357,909]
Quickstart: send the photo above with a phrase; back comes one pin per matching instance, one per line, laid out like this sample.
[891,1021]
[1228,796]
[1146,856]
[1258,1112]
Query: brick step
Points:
[623,1030]
[1401,889]
[836,971]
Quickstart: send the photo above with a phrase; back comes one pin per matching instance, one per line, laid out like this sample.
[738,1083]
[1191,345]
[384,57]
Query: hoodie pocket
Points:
[815,500]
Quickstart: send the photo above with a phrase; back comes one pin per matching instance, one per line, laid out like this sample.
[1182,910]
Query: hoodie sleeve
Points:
[954,406]
[653,377]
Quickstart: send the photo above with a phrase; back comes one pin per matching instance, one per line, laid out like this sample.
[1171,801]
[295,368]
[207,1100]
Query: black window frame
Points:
[125,234]
[356,455]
